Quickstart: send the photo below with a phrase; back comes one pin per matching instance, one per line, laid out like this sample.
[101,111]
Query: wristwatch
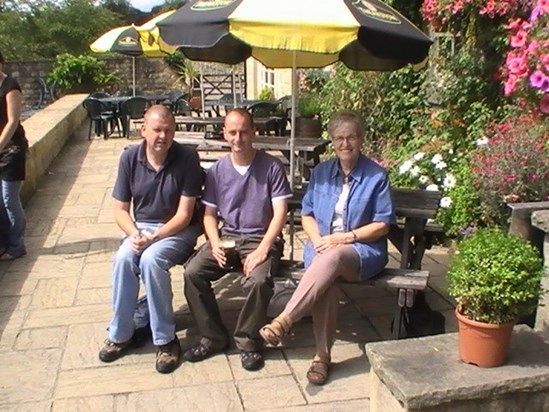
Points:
[150,235]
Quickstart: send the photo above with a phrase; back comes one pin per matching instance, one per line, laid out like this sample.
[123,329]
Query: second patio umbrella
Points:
[133,41]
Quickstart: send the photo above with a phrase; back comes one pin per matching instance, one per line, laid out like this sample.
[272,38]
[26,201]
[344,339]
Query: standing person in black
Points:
[13,149]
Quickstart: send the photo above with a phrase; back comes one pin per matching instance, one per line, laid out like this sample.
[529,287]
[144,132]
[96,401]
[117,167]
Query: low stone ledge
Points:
[540,220]
[47,131]
[425,374]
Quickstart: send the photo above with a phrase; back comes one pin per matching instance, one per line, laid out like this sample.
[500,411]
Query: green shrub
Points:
[80,73]
[266,94]
[495,277]
[308,106]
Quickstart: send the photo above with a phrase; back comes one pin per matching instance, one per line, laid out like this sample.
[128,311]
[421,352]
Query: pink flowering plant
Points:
[445,13]
[526,68]
[512,165]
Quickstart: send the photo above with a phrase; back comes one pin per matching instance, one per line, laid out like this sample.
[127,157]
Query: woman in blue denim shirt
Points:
[346,213]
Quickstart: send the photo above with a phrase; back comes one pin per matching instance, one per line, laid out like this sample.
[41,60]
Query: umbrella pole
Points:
[292,151]
[233,86]
[292,133]
[133,74]
[202,93]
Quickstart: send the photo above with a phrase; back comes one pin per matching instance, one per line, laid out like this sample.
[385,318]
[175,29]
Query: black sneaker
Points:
[252,360]
[112,350]
[200,352]
[167,356]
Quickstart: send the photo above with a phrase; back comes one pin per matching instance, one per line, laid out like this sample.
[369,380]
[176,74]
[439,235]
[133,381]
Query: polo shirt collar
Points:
[141,158]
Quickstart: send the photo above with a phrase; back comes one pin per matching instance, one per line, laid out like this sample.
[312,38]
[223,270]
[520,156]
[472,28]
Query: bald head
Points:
[159,111]
[239,112]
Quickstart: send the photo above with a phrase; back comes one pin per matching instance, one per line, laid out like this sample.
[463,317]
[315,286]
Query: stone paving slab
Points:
[55,305]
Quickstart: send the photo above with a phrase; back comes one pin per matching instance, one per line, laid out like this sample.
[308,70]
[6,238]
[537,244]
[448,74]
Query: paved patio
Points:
[55,305]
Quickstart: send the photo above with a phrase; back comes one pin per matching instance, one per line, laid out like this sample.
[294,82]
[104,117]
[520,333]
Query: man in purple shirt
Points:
[247,192]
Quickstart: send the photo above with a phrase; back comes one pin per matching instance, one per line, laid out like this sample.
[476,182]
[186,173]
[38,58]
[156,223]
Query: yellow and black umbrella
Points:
[363,34]
[134,41]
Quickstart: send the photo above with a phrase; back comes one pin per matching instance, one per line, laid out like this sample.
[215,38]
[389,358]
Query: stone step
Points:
[425,374]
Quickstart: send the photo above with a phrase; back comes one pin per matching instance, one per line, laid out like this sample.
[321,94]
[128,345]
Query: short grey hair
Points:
[346,116]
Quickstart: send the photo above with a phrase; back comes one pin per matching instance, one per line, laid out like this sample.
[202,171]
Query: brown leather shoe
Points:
[113,350]
[167,356]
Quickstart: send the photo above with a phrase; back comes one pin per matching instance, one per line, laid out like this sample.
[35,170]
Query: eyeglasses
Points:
[341,139]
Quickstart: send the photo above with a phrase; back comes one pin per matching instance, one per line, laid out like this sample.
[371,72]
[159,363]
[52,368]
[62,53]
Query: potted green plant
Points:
[266,94]
[308,123]
[495,278]
[80,74]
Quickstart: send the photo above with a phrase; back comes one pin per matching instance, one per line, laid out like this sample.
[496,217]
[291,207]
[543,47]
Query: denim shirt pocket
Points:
[324,201]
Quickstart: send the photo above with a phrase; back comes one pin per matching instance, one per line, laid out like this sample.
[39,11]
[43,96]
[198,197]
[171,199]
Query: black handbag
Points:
[283,291]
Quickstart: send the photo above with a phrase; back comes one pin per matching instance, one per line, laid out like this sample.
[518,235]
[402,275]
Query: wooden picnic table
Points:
[217,121]
[307,149]
[118,100]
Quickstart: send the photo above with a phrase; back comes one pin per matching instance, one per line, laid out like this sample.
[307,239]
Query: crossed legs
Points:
[318,293]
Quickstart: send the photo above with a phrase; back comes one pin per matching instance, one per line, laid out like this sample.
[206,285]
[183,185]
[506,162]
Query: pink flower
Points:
[517,64]
[537,79]
[514,24]
[519,39]
[544,104]
[510,85]
[545,61]
[457,7]
[535,14]
[533,47]
[544,5]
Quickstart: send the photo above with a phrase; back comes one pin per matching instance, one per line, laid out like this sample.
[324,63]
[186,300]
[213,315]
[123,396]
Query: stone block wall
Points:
[152,76]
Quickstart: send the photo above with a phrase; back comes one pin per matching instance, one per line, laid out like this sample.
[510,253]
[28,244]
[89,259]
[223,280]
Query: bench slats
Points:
[388,277]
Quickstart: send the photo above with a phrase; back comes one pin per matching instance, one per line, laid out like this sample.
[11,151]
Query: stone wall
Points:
[152,76]
[48,132]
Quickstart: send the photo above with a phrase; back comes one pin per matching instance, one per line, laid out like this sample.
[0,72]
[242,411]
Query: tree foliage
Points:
[31,29]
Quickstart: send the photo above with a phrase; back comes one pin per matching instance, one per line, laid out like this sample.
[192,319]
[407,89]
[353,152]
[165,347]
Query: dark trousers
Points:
[202,269]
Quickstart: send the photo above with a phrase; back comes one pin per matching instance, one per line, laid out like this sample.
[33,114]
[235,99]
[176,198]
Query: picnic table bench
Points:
[410,235]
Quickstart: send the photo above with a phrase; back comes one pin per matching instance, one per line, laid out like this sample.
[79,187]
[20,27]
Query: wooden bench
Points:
[414,207]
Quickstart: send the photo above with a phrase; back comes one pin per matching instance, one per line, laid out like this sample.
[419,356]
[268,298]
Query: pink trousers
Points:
[318,292]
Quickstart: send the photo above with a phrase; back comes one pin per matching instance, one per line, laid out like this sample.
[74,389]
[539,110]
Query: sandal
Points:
[275,331]
[319,370]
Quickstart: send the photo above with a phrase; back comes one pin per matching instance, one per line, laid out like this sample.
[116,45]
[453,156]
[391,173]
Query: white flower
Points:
[432,187]
[404,167]
[482,141]
[440,165]
[445,202]
[449,181]
[423,179]
[414,171]
[436,159]
[419,156]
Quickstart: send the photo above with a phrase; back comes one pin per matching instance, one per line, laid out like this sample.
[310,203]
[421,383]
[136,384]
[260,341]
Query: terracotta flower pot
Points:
[195,102]
[483,344]
[305,127]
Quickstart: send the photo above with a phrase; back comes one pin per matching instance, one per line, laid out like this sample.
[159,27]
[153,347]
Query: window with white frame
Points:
[266,78]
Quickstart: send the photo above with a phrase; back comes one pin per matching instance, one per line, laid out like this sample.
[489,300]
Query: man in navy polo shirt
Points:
[247,191]
[162,179]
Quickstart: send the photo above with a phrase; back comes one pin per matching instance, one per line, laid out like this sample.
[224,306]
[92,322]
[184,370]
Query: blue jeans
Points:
[152,266]
[12,218]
